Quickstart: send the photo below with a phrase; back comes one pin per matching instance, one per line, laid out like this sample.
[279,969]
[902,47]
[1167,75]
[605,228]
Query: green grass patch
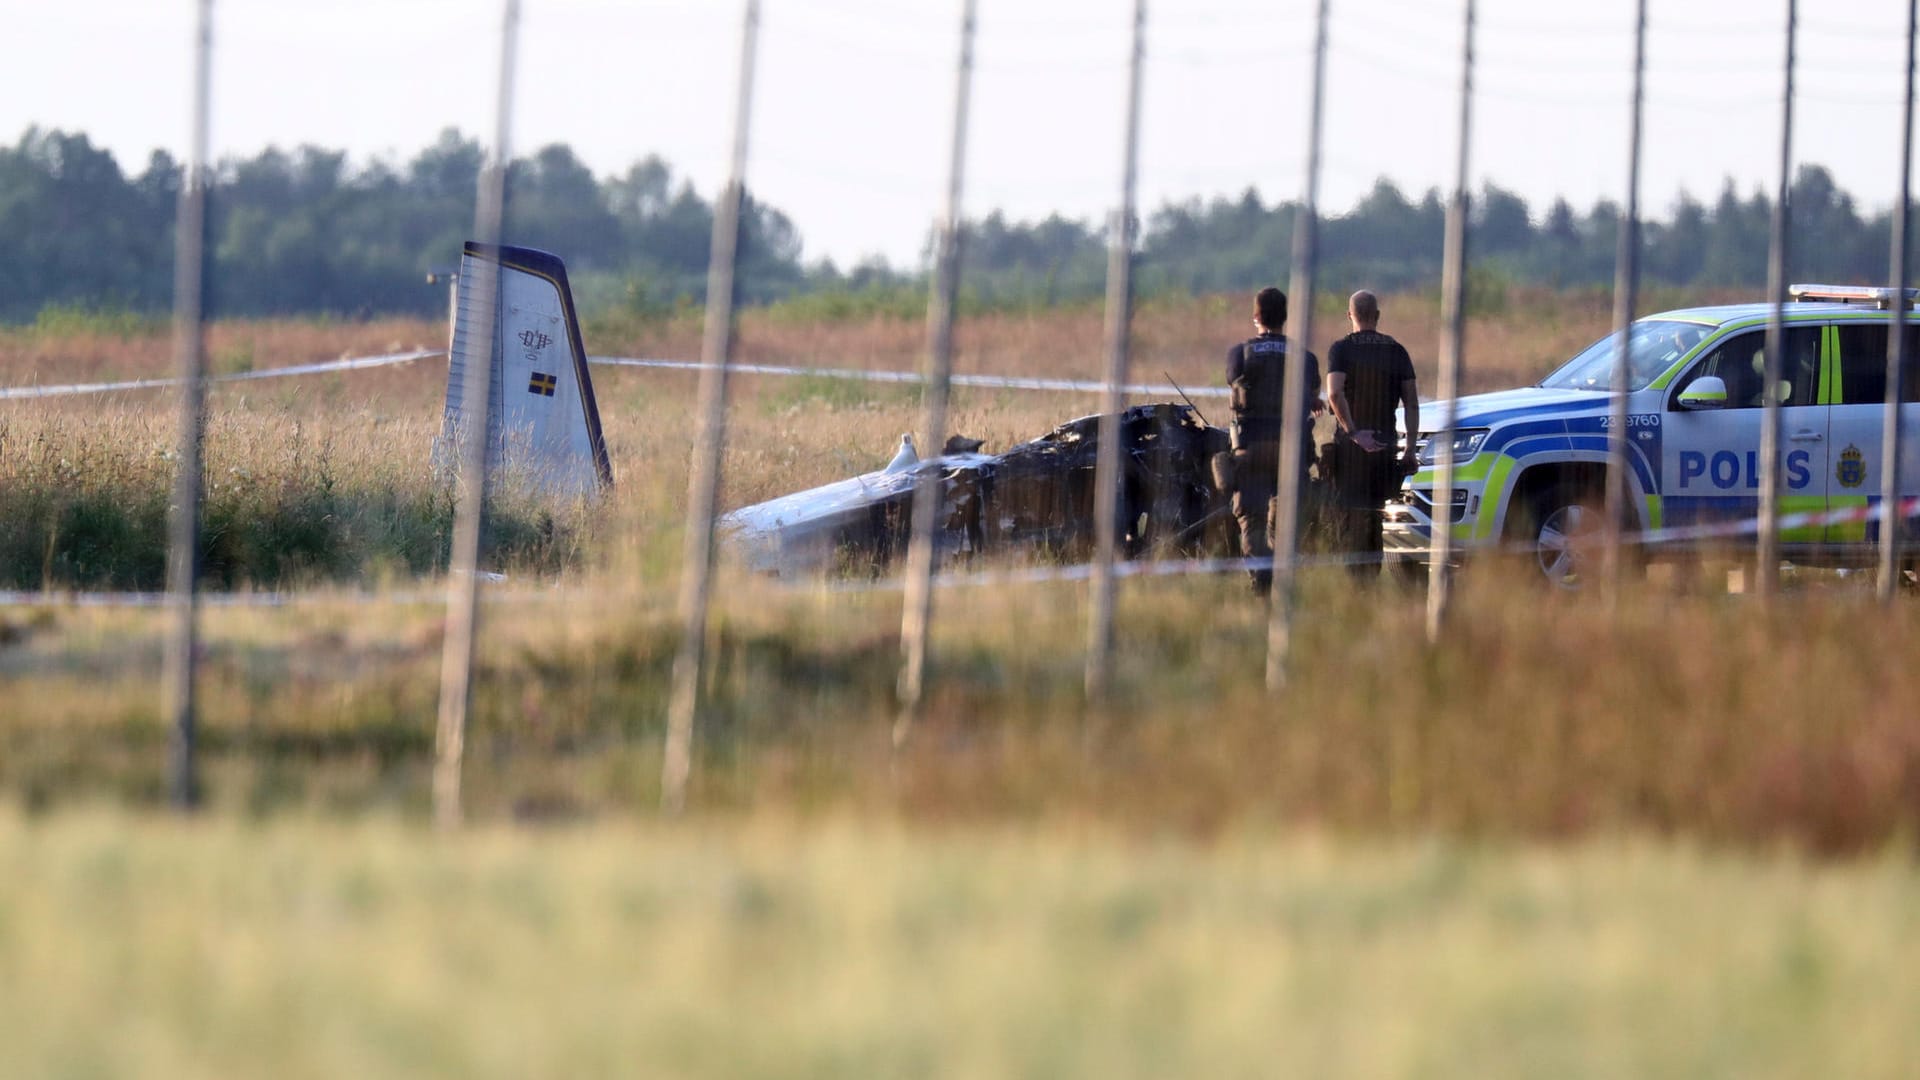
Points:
[66,320]
[806,392]
[288,501]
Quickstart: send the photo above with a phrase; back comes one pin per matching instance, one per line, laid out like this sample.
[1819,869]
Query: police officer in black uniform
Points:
[1368,373]
[1256,374]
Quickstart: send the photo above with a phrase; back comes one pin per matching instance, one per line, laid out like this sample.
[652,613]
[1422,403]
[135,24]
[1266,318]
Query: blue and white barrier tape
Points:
[991,382]
[1847,515]
[356,364]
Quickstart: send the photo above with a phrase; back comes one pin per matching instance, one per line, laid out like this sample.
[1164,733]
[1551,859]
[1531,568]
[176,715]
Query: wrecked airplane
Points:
[1034,501]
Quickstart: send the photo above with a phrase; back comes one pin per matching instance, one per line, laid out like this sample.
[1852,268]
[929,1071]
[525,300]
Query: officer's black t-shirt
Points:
[1376,366]
[1262,362]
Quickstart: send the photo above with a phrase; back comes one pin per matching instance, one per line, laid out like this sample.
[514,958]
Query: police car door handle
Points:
[1807,436]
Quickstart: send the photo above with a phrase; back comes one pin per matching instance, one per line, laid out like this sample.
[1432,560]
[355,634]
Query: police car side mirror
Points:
[1705,392]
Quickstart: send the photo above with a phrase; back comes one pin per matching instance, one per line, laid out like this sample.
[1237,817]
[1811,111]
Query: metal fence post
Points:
[1626,287]
[1767,557]
[189,346]
[1893,523]
[916,617]
[1453,291]
[1293,407]
[703,482]
[474,446]
[1107,472]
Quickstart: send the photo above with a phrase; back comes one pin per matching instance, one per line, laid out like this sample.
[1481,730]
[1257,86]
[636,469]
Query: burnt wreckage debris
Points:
[1034,500]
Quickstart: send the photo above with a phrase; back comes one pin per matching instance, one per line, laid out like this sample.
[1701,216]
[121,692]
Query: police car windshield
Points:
[1655,345]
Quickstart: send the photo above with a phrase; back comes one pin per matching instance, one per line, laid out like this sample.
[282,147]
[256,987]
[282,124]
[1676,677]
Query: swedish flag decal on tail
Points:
[543,426]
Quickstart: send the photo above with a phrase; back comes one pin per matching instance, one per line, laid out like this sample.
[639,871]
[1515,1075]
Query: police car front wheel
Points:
[1561,535]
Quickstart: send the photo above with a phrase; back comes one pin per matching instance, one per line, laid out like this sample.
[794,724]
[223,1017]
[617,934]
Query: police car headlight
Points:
[1466,443]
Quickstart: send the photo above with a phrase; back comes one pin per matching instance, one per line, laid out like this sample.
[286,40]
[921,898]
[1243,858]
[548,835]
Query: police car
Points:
[1530,464]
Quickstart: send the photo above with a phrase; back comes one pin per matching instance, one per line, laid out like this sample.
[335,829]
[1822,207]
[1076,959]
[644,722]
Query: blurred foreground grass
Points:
[133,946]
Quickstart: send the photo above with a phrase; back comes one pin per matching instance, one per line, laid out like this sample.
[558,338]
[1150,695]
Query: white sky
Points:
[854,98]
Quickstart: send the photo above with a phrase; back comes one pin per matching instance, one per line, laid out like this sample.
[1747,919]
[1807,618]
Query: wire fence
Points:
[717,364]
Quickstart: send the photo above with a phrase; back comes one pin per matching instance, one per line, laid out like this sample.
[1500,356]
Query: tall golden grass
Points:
[1186,337]
[1538,716]
[1529,331]
[324,478]
[297,491]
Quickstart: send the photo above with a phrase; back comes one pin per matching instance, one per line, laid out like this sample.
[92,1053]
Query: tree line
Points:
[308,232]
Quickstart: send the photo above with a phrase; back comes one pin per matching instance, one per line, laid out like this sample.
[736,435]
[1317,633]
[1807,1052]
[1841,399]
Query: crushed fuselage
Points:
[1033,501]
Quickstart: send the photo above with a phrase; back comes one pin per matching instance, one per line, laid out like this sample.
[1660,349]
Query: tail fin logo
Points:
[524,333]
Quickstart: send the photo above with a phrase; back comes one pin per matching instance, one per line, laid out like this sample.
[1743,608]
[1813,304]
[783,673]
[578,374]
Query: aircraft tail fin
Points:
[543,424]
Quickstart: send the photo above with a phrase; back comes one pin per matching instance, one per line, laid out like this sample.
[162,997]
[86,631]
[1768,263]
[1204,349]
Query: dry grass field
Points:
[1540,716]
[325,479]
[1674,839]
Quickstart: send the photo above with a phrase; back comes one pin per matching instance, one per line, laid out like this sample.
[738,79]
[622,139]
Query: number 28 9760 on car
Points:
[1530,463]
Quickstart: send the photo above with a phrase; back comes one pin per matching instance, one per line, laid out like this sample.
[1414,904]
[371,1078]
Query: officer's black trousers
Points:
[1252,506]
[1256,475]
[1358,534]
[1360,483]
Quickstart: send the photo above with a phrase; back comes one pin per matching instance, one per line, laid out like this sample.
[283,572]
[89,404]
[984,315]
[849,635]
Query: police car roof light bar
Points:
[1879,296]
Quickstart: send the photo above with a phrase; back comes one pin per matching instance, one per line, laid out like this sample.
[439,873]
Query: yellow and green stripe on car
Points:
[1831,393]
[1489,470]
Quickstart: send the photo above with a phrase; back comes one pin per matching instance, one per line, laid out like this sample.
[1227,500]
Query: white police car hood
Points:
[1505,406]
